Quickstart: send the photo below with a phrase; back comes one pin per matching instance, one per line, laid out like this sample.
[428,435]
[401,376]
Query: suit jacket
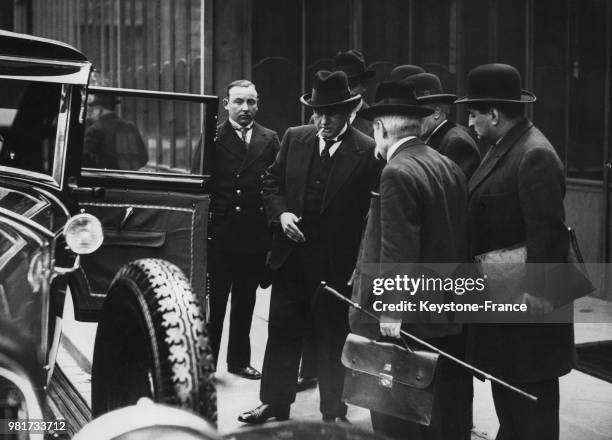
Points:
[114,143]
[238,221]
[418,220]
[516,196]
[345,202]
[454,141]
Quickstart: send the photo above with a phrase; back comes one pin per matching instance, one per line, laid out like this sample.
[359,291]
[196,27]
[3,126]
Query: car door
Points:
[143,176]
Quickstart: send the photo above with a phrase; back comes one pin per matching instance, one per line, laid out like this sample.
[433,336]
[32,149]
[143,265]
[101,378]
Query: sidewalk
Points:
[586,402]
[585,409]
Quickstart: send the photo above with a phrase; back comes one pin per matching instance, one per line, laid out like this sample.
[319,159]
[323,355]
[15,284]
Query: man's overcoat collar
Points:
[497,152]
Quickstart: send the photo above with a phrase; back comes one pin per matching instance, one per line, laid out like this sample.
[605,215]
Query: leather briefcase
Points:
[389,379]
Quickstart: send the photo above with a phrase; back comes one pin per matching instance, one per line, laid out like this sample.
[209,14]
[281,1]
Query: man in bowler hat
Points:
[316,195]
[440,133]
[516,197]
[417,220]
[403,71]
[239,236]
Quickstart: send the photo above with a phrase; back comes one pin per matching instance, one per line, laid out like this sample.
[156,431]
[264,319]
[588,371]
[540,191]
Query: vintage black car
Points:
[101,198]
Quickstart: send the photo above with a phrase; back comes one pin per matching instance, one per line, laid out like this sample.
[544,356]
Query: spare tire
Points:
[152,342]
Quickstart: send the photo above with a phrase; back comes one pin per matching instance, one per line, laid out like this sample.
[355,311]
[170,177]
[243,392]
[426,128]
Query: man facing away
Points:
[416,225]
[447,138]
[316,195]
[239,236]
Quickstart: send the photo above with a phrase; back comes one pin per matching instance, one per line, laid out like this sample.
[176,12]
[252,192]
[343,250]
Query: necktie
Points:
[325,156]
[243,132]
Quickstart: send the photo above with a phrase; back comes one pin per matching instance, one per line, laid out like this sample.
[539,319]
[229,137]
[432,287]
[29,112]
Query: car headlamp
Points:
[83,233]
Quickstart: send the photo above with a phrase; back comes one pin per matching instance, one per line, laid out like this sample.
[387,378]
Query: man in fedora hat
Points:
[316,195]
[516,197]
[352,63]
[417,220]
[441,134]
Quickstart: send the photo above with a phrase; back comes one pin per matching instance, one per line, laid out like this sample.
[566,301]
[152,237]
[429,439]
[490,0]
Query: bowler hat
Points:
[404,71]
[395,98]
[495,83]
[352,63]
[428,89]
[329,89]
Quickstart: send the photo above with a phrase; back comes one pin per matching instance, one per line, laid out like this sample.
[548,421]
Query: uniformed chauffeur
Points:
[239,237]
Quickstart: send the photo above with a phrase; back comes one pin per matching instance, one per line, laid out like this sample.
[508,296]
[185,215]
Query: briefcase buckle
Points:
[385,380]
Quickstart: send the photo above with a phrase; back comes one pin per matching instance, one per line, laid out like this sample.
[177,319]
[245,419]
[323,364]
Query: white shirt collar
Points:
[335,145]
[355,110]
[396,145]
[239,128]
[436,129]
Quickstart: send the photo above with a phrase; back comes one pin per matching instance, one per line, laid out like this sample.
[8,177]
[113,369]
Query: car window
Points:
[28,124]
[146,134]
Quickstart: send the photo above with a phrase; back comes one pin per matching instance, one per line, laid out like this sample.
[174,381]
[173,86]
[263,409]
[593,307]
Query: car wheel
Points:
[152,342]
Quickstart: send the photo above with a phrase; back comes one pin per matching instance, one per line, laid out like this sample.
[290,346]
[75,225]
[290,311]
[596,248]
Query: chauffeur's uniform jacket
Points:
[238,220]
[239,236]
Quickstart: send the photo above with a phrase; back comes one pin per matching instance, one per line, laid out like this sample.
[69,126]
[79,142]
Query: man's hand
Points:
[289,223]
[391,329]
[536,305]
[390,326]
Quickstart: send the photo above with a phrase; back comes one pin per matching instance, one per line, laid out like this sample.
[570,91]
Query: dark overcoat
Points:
[238,220]
[362,124]
[345,201]
[418,216]
[516,196]
[455,142]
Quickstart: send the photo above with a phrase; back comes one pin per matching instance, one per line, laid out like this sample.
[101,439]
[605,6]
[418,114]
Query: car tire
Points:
[151,342]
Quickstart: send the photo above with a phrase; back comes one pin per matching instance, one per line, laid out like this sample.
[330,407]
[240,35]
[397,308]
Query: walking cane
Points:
[465,365]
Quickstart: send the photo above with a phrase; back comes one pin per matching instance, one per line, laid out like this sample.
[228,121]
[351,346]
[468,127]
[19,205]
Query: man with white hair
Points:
[417,219]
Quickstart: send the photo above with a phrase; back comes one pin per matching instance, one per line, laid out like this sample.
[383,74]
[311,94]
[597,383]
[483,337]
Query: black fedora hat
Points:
[395,98]
[495,83]
[329,89]
[404,71]
[352,63]
[428,89]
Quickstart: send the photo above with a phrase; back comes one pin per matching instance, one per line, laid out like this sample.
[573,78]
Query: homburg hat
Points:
[403,71]
[395,98]
[495,83]
[428,89]
[352,63]
[329,89]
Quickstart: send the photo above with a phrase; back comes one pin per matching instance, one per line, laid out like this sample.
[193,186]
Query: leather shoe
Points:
[339,420]
[305,383]
[247,372]
[264,412]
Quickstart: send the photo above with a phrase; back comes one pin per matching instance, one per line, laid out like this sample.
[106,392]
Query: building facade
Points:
[563,49]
